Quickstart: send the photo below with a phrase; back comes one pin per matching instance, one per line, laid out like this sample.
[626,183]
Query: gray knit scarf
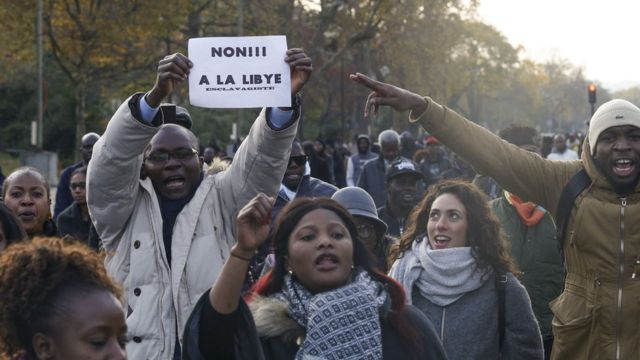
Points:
[441,276]
[343,323]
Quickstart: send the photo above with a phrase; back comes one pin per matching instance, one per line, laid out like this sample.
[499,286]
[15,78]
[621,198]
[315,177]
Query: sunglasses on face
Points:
[298,160]
[78,185]
[161,157]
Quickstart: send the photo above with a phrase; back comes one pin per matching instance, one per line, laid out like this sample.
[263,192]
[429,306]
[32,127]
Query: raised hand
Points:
[301,68]
[386,94]
[252,224]
[172,70]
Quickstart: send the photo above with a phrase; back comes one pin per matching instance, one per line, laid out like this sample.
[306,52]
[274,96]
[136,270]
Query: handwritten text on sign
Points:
[239,72]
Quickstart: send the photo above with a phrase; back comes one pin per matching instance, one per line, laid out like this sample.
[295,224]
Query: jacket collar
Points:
[272,319]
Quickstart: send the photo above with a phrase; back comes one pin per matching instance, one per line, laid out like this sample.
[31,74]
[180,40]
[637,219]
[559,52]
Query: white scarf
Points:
[442,276]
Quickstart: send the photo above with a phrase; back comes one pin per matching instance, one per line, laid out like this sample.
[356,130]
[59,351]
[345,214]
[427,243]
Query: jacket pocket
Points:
[573,324]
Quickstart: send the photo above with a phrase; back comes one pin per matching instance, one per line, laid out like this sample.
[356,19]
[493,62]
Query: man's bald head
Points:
[86,147]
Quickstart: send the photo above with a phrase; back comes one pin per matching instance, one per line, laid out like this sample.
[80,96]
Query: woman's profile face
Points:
[94,328]
[320,251]
[447,223]
[27,196]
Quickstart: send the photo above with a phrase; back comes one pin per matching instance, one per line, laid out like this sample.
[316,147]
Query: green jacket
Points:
[597,316]
[536,252]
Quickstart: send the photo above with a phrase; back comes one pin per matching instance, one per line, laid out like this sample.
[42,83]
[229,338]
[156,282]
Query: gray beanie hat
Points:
[616,112]
[359,203]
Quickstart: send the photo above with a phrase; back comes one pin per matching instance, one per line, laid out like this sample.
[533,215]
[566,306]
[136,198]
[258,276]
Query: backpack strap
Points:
[574,187]
[501,283]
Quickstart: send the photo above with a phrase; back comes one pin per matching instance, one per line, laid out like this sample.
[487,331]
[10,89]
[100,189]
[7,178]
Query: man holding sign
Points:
[163,226]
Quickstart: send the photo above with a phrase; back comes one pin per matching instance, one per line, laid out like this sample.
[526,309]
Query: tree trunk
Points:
[81,126]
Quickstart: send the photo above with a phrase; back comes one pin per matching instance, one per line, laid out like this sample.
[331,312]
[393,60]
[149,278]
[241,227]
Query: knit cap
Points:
[616,112]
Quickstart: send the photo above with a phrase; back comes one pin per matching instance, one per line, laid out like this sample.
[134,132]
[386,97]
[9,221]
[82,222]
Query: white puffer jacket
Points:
[126,214]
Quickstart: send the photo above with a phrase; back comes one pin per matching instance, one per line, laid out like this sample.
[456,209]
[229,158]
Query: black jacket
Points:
[395,226]
[70,223]
[211,335]
[372,180]
[308,187]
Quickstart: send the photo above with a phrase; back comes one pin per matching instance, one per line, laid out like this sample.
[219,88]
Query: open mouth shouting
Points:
[623,167]
[174,182]
[326,262]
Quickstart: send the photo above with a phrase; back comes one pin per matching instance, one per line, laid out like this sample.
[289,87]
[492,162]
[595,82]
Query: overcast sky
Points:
[601,36]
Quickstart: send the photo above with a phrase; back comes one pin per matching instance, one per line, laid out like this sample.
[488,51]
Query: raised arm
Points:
[252,227]
[114,170]
[261,160]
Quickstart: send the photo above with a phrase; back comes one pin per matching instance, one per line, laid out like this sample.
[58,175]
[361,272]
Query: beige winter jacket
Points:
[126,213]
[598,314]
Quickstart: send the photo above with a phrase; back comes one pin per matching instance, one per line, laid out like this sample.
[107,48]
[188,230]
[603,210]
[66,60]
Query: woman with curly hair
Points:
[322,299]
[57,302]
[453,262]
[26,192]
[10,227]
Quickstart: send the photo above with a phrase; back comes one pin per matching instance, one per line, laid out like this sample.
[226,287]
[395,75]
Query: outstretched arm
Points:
[252,227]
[386,94]
[516,170]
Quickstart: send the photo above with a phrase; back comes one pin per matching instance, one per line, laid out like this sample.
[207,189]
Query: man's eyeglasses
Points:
[161,157]
[298,160]
[80,185]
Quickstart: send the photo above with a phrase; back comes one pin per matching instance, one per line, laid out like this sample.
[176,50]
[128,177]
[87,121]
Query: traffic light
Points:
[592,93]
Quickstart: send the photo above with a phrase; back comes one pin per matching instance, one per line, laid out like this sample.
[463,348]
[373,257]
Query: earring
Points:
[290,272]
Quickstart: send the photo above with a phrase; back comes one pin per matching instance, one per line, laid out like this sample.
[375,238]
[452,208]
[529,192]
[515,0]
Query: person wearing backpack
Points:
[454,265]
[596,316]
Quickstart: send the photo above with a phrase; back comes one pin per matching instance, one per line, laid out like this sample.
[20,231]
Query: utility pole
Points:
[37,126]
[239,112]
[342,116]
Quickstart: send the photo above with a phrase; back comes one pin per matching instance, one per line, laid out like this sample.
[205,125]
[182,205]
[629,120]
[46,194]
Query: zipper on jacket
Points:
[623,204]
[570,238]
[635,267]
[444,313]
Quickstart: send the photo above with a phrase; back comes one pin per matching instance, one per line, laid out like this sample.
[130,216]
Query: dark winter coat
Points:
[267,332]
[308,187]
[63,193]
[70,223]
[537,255]
[468,327]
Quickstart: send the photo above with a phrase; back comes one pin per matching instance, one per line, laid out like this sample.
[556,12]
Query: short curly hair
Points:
[37,280]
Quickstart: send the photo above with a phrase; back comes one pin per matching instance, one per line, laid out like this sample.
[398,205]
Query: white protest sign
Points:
[239,72]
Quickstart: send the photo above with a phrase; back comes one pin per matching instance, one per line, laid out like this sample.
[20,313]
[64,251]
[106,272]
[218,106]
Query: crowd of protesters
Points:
[400,245]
